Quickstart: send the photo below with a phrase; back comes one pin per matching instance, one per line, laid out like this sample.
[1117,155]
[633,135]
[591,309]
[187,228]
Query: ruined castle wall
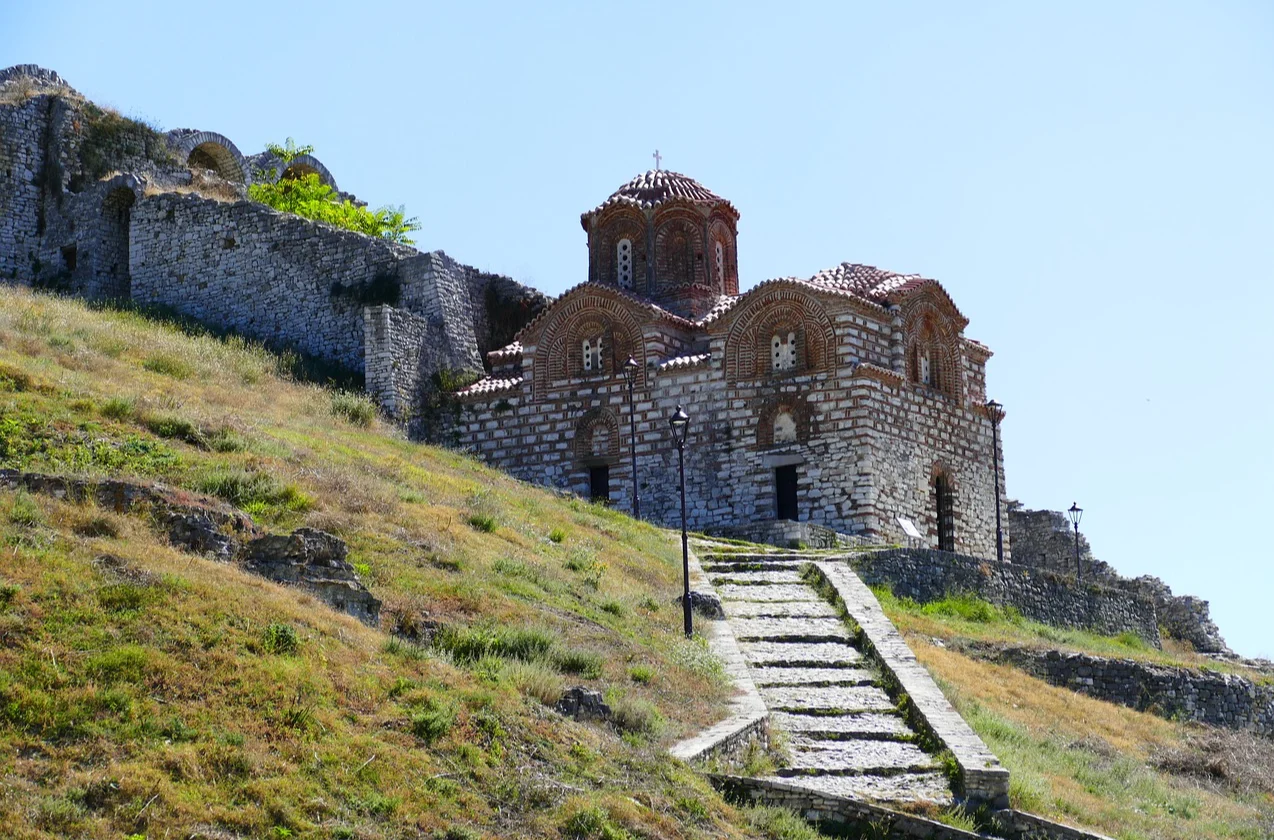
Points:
[402,351]
[925,575]
[273,276]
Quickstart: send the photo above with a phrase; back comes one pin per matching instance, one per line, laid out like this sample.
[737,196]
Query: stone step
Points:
[800,654]
[779,609]
[812,676]
[826,699]
[772,593]
[903,787]
[857,758]
[755,578]
[832,727]
[790,629]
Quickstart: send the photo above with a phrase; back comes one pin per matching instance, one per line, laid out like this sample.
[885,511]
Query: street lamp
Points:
[630,376]
[995,411]
[1074,515]
[680,423]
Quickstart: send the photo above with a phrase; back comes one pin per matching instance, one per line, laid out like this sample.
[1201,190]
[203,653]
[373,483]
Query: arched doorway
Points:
[111,265]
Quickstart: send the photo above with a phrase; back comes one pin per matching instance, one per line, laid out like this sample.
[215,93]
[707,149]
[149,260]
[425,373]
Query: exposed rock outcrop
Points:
[313,560]
[583,703]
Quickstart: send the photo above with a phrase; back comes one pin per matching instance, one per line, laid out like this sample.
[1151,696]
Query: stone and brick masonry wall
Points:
[1053,599]
[1209,697]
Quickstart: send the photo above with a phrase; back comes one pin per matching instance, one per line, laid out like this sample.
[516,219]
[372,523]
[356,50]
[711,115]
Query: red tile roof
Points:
[658,186]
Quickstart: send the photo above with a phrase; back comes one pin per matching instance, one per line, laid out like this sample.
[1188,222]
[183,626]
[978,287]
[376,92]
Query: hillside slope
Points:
[147,691]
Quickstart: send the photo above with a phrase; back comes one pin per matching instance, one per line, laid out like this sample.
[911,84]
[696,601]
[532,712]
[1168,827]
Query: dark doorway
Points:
[946,512]
[785,492]
[599,484]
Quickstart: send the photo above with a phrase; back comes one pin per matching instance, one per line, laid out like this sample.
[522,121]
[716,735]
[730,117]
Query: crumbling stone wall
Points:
[1210,697]
[1044,596]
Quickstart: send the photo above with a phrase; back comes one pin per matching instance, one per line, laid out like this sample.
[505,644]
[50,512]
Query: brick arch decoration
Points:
[927,328]
[721,230]
[594,419]
[782,310]
[796,405]
[558,353]
[309,165]
[680,261]
[210,150]
[615,224]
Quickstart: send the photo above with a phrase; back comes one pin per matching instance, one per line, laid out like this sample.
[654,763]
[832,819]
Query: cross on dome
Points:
[658,157]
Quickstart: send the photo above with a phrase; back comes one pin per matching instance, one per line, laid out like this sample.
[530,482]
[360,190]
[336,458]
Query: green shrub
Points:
[613,607]
[124,597]
[244,489]
[584,663]
[469,644]
[118,408]
[592,823]
[356,408]
[636,716]
[167,365]
[642,674]
[227,440]
[171,426]
[126,663]
[557,535]
[483,522]
[967,608]
[24,510]
[281,639]
[432,721]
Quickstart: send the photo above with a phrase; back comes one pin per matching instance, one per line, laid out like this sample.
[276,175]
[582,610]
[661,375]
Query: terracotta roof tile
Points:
[684,362]
[658,186]
[490,387]
[507,353]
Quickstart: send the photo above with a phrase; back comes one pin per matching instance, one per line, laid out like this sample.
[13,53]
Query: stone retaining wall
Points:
[982,778]
[1208,697]
[1044,596]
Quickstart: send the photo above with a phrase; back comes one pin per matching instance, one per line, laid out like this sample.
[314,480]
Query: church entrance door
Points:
[785,492]
[599,484]
[946,513]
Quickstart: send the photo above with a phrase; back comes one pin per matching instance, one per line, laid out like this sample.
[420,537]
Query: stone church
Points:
[844,400]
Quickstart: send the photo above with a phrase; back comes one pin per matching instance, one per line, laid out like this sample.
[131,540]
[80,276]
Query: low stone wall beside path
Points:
[1039,594]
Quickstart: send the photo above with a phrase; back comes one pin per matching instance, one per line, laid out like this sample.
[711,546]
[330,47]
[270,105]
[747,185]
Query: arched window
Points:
[784,427]
[624,263]
[591,349]
[783,352]
[925,367]
[720,261]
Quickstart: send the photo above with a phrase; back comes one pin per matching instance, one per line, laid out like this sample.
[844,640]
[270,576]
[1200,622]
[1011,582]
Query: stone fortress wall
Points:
[98,205]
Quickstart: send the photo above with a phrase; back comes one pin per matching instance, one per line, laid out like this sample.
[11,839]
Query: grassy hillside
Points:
[145,691]
[1127,774]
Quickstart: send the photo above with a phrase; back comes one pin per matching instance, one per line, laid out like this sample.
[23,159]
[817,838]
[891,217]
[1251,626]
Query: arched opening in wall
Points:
[218,158]
[944,502]
[111,265]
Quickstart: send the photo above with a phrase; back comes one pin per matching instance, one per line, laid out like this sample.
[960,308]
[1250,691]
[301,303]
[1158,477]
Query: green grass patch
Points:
[168,365]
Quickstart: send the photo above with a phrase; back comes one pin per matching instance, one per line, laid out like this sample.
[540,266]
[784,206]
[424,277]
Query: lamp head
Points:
[995,411]
[680,423]
[1074,514]
[630,369]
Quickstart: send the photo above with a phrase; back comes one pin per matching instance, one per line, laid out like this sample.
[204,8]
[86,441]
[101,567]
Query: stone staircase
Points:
[846,736]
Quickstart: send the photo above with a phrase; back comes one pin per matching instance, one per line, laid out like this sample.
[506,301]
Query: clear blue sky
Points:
[1092,182]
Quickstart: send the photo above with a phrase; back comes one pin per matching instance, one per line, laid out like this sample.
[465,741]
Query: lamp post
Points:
[630,376]
[680,423]
[995,411]
[1074,515]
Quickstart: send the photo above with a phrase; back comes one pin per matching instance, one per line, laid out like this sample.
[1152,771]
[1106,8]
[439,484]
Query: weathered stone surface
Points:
[861,725]
[812,676]
[583,703]
[705,604]
[754,578]
[779,609]
[816,699]
[1210,697]
[856,757]
[314,560]
[791,629]
[810,655]
[904,787]
[795,592]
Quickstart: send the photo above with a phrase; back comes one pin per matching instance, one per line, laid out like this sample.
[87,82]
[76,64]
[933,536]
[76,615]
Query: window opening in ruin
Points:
[783,352]
[785,492]
[784,428]
[945,499]
[624,260]
[70,256]
[720,257]
[592,352]
[599,484]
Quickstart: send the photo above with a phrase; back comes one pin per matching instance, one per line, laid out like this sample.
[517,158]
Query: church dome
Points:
[660,186]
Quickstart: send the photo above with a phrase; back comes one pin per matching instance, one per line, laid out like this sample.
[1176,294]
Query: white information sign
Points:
[909,528]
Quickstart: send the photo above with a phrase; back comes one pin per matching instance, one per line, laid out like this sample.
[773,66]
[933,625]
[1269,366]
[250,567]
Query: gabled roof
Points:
[659,186]
[639,303]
